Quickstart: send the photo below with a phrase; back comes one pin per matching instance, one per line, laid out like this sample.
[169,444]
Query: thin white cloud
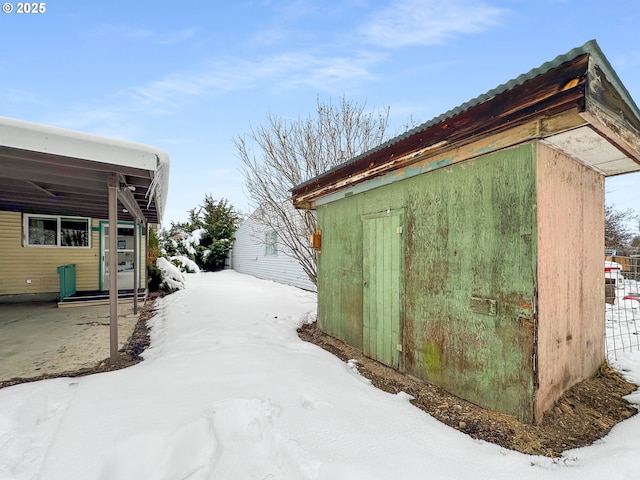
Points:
[137,33]
[107,121]
[22,97]
[276,73]
[120,32]
[221,172]
[629,59]
[294,70]
[272,35]
[428,22]
[170,38]
[126,33]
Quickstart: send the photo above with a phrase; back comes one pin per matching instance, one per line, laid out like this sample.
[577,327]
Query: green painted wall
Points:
[471,235]
[340,270]
[470,269]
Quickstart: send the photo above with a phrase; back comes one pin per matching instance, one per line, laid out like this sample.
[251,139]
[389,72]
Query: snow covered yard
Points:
[228,391]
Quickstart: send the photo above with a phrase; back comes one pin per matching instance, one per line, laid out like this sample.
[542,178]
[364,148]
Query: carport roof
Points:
[49,170]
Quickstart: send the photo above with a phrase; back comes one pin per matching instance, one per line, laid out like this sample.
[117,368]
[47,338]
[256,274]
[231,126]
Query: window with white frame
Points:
[57,231]
[271,243]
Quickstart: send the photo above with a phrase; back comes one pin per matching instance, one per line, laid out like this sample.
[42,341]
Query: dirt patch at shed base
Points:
[584,414]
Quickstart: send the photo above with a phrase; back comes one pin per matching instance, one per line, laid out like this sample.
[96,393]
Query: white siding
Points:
[248,256]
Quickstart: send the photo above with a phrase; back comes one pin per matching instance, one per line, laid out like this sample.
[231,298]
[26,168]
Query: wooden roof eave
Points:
[610,142]
[613,116]
[576,103]
[446,155]
[558,90]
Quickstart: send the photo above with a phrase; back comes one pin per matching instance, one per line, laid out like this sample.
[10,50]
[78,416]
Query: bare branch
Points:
[291,152]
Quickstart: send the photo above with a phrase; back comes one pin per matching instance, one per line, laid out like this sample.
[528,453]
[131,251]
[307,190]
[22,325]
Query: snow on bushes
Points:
[185,264]
[205,238]
[172,277]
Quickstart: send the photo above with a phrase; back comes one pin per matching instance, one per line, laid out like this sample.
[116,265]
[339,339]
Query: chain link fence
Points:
[622,304]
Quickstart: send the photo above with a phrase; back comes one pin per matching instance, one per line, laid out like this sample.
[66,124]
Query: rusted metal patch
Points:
[485,306]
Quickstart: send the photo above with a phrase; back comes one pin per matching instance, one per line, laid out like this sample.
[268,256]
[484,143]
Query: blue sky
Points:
[188,77]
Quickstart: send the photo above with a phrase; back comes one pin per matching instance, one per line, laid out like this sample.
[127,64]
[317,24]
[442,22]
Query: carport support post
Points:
[136,265]
[113,267]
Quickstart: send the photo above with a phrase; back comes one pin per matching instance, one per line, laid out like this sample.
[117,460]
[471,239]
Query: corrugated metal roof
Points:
[591,48]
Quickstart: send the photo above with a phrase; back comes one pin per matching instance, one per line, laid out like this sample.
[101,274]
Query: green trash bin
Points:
[67,275]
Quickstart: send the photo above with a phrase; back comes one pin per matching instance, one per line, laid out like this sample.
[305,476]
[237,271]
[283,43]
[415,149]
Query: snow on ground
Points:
[228,391]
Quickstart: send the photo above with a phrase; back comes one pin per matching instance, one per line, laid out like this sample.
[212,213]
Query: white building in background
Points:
[258,251]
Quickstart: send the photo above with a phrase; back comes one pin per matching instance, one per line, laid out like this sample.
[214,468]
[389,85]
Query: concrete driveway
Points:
[39,338]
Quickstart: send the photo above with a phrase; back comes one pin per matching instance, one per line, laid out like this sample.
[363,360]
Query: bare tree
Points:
[291,152]
[617,233]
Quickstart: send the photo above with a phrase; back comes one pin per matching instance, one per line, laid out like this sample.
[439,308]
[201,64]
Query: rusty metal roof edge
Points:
[591,47]
[594,50]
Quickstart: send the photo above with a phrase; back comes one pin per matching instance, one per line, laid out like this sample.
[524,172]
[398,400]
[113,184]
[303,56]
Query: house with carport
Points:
[62,193]
[467,252]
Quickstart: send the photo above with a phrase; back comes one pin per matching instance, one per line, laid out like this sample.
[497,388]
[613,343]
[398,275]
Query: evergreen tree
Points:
[219,221]
[206,237]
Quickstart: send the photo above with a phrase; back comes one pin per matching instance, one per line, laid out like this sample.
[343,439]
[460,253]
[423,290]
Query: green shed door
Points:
[383,287]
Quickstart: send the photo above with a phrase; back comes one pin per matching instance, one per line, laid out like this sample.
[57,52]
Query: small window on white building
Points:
[271,243]
[54,231]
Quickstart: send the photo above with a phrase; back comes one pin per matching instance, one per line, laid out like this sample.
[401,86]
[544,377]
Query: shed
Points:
[467,252]
[62,193]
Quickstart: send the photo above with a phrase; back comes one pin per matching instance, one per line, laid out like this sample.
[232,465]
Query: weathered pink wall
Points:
[570,307]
